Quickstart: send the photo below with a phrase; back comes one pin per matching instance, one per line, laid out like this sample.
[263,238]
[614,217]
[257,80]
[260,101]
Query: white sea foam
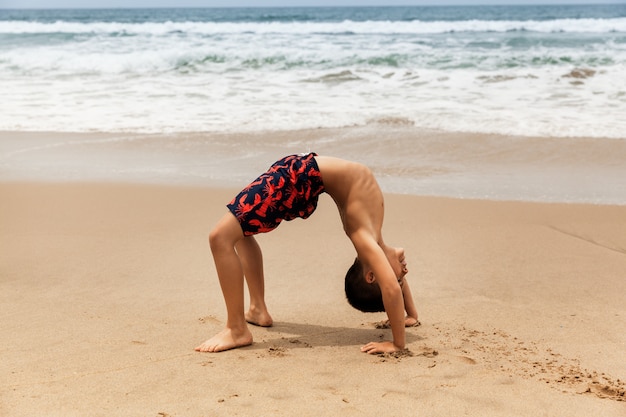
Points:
[346,26]
[543,103]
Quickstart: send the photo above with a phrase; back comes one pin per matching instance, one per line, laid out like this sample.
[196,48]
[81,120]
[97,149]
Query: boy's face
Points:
[399,264]
[397,261]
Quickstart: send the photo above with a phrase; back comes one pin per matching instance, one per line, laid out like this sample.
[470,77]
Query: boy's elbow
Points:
[392,292]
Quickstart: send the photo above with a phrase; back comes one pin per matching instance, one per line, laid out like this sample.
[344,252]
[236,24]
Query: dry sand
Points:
[107,288]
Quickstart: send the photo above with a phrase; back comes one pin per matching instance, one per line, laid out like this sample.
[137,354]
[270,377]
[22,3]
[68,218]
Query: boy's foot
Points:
[259,318]
[225,340]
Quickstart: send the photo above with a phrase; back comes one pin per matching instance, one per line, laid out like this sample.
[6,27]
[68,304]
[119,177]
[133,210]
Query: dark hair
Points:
[362,295]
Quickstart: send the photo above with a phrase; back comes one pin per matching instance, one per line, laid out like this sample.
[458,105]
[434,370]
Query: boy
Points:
[290,189]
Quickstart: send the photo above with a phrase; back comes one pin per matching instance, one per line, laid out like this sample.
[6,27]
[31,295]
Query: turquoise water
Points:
[520,70]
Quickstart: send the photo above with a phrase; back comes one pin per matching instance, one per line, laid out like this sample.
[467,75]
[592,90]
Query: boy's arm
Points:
[371,254]
[409,303]
[411,319]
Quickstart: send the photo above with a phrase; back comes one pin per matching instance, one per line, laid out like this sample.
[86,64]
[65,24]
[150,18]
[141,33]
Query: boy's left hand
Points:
[380,347]
[408,322]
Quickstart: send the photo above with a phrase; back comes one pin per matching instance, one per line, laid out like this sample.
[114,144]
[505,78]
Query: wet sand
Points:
[404,158]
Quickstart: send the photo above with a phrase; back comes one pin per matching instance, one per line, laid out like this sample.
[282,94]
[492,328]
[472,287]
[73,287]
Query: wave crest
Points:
[346,27]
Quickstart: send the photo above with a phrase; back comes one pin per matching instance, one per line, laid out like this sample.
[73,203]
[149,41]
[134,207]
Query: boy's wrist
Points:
[398,347]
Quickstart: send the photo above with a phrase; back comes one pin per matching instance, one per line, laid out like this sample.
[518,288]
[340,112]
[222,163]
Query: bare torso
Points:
[356,193]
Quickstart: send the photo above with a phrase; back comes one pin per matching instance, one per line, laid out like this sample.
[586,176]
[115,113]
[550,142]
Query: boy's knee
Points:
[225,234]
[215,238]
[219,238]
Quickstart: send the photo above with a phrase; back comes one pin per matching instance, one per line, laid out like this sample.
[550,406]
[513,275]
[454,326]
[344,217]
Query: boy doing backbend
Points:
[289,189]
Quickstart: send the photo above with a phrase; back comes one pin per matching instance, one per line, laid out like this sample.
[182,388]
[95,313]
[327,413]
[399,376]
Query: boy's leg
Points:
[223,239]
[252,261]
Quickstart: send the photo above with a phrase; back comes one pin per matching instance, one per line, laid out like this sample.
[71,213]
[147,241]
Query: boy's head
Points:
[361,294]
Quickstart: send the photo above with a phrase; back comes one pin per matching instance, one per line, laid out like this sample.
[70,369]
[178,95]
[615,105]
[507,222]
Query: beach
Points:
[496,135]
[108,287]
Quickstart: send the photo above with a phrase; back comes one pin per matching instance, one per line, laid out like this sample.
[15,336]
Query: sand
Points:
[107,288]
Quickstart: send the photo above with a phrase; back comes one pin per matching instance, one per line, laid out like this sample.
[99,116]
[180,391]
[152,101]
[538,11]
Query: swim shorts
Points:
[289,189]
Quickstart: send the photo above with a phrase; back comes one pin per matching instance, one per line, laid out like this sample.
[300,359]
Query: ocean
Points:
[531,70]
[554,72]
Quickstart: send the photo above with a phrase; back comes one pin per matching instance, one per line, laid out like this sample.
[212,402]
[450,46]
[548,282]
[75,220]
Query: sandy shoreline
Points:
[107,288]
[406,160]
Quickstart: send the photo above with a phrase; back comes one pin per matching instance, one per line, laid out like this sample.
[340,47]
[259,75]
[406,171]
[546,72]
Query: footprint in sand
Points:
[208,319]
[498,350]
[467,360]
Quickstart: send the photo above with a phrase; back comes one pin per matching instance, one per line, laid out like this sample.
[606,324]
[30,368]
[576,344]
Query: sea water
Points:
[530,70]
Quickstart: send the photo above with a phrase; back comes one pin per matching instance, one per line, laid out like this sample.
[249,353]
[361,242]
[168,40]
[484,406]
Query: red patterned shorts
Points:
[289,189]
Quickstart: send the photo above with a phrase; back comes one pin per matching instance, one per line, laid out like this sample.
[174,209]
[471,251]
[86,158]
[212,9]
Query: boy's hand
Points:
[408,322]
[411,322]
[380,347]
